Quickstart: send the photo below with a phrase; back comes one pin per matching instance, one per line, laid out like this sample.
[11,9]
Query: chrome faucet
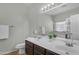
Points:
[69,44]
[68,37]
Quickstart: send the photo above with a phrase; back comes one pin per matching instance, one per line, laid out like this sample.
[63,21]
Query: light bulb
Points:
[48,5]
[42,8]
[45,7]
[52,3]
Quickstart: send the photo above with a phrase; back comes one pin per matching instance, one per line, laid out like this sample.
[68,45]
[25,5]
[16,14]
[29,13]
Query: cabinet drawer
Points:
[29,44]
[39,49]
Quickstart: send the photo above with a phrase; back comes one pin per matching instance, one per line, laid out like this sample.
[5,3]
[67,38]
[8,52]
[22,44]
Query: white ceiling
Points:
[19,8]
[10,11]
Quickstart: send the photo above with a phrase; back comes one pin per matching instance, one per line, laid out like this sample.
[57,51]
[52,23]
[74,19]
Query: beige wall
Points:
[14,15]
[38,19]
[24,20]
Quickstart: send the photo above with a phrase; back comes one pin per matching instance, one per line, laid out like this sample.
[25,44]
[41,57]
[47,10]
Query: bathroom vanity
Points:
[46,46]
[33,49]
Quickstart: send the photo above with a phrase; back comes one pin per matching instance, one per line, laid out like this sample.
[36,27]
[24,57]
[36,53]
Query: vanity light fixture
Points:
[47,7]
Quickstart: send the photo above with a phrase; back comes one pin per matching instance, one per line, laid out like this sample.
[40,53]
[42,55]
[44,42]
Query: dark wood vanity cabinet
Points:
[33,49]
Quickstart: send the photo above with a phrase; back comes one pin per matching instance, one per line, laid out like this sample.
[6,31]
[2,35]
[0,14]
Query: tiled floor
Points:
[16,52]
[12,52]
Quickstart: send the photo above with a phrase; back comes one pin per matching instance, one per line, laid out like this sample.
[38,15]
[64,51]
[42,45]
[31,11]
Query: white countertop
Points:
[57,45]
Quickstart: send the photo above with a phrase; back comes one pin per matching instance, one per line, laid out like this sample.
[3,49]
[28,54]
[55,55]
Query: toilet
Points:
[21,48]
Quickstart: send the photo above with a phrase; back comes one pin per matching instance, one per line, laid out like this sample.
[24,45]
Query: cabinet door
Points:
[39,50]
[50,53]
[29,51]
[28,48]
